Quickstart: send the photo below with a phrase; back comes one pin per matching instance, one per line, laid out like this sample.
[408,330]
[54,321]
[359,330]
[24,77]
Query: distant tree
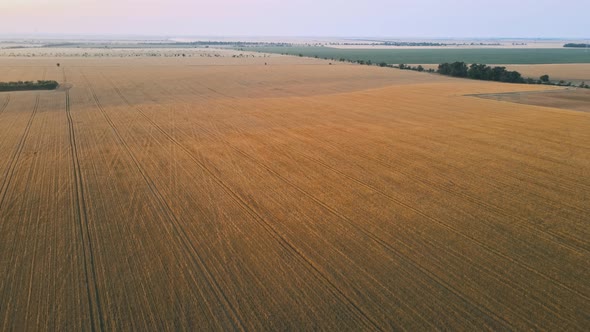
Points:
[544,78]
[420,68]
[576,45]
[459,69]
[443,68]
[28,85]
[456,69]
[480,72]
[402,66]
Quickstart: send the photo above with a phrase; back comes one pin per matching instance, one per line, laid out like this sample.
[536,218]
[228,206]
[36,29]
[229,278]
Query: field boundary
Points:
[81,215]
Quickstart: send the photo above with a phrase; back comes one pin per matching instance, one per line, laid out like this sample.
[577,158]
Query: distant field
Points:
[282,193]
[576,73]
[572,99]
[436,56]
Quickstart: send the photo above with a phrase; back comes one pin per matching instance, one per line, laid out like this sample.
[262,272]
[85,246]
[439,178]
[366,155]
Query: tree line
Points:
[577,45]
[498,74]
[480,72]
[28,85]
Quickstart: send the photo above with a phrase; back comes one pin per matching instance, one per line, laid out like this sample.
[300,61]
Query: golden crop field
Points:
[226,194]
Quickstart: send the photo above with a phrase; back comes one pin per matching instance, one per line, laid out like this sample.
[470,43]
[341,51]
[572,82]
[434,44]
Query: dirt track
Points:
[154,195]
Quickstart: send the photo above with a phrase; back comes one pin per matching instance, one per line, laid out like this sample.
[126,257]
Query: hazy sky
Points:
[421,18]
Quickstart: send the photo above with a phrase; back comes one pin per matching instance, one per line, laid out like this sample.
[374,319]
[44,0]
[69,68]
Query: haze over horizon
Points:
[418,19]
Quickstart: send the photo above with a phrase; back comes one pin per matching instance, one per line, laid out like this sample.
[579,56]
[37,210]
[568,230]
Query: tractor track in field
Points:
[495,120]
[506,177]
[167,210]
[8,176]
[485,143]
[80,212]
[374,237]
[551,236]
[341,216]
[501,176]
[520,177]
[9,173]
[3,107]
[151,193]
[504,147]
[452,229]
[331,210]
[35,163]
[285,243]
[522,223]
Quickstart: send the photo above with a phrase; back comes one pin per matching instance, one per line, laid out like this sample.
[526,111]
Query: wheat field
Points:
[166,194]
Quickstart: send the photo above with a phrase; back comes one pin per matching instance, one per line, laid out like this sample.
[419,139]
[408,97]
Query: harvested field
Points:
[168,194]
[575,73]
[571,98]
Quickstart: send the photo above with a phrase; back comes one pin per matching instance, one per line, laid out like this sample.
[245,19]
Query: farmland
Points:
[284,193]
[571,98]
[436,56]
[576,73]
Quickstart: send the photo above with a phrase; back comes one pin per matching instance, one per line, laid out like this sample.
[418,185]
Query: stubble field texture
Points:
[226,194]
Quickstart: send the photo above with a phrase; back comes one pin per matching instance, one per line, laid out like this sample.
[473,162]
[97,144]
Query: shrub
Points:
[28,85]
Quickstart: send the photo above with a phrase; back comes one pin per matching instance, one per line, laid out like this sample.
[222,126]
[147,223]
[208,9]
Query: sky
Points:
[338,18]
